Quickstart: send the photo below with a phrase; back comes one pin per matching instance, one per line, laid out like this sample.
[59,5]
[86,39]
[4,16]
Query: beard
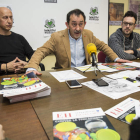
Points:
[127,32]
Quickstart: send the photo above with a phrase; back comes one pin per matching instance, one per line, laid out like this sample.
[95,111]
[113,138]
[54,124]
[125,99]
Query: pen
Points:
[131,80]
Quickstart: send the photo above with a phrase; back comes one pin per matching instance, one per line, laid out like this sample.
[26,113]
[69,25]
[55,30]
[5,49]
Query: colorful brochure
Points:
[22,88]
[88,124]
[119,66]
[124,111]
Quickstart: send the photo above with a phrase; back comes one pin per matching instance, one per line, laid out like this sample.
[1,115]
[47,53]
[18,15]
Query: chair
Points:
[101,57]
[42,67]
[56,68]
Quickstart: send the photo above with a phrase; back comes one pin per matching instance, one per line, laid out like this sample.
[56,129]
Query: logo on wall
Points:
[50,24]
[94,11]
[49,27]
[94,14]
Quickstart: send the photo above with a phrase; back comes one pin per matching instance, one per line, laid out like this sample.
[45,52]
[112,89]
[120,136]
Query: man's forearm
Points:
[119,50]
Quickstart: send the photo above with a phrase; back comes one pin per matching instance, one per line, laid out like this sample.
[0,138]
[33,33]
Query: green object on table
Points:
[107,134]
[93,136]
[82,136]
[7,83]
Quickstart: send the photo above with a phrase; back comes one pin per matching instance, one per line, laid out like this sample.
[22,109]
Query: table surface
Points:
[63,98]
[29,119]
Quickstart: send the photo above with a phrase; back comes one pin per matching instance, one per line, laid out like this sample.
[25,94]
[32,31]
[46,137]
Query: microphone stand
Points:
[94,64]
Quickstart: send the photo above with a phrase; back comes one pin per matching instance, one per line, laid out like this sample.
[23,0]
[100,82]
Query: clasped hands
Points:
[16,65]
[131,51]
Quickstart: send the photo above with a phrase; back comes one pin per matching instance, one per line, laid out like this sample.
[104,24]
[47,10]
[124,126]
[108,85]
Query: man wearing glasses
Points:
[124,42]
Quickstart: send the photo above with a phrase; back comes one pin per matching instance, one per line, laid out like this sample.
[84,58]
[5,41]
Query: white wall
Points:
[29,14]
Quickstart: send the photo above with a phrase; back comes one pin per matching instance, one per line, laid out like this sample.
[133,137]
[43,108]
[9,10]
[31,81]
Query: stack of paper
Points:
[23,88]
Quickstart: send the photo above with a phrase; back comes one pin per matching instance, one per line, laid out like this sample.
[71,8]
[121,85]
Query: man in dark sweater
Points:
[13,47]
[124,42]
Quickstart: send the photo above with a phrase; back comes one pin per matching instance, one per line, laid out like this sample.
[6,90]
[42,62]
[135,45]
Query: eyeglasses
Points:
[130,24]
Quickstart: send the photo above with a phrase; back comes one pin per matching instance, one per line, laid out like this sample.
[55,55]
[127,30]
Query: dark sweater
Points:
[118,43]
[12,46]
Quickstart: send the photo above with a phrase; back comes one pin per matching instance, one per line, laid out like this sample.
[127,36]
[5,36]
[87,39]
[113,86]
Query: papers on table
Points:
[86,68]
[120,87]
[117,88]
[100,67]
[119,66]
[114,91]
[62,76]
[135,64]
[124,111]
[127,74]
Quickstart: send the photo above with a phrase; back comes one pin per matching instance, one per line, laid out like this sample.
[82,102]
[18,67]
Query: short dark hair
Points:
[130,14]
[77,12]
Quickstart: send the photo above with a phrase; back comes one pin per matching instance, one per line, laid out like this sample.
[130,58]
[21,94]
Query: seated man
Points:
[13,47]
[124,42]
[69,45]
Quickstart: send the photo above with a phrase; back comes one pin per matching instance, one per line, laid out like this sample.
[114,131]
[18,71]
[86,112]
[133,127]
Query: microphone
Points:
[92,50]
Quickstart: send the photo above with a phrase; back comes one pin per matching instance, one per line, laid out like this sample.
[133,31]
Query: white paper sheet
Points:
[116,89]
[135,64]
[127,74]
[100,67]
[62,76]
[122,110]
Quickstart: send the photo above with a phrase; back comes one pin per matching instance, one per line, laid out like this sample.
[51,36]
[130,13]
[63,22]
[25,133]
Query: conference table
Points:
[33,119]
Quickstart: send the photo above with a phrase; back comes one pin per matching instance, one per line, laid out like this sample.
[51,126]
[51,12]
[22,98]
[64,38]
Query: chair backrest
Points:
[101,57]
[42,67]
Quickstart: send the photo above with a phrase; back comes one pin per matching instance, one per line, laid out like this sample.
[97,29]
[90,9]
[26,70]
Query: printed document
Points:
[102,68]
[116,89]
[135,64]
[65,75]
[124,111]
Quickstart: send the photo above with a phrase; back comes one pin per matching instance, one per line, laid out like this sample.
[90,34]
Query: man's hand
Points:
[34,71]
[15,66]
[11,65]
[2,133]
[19,66]
[138,49]
[123,61]
[129,51]
[22,63]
